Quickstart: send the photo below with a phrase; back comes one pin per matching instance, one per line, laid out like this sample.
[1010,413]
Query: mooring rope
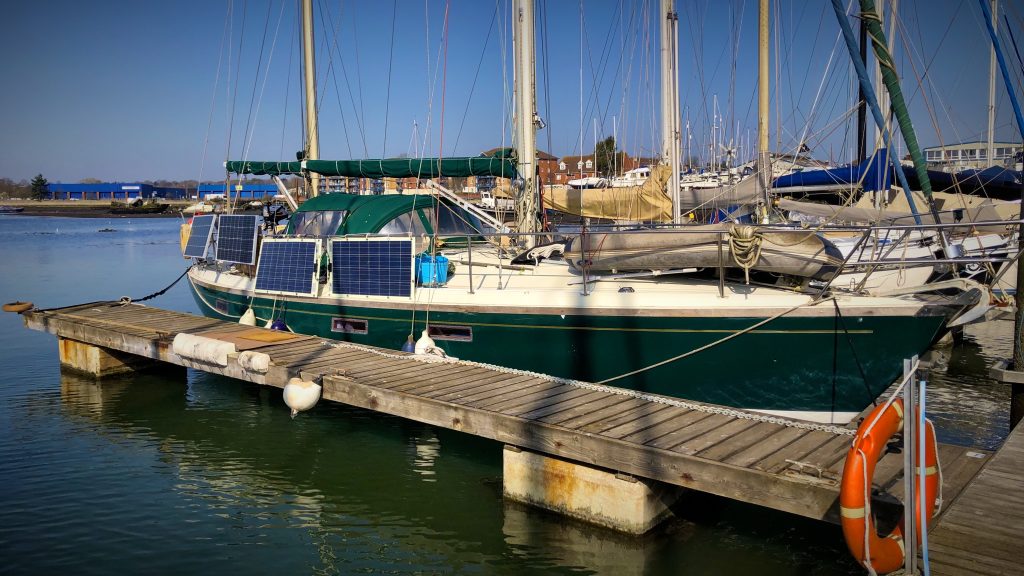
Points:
[125,300]
[745,246]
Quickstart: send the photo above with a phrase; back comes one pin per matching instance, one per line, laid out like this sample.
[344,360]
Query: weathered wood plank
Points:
[778,461]
[514,397]
[469,392]
[822,458]
[683,426]
[604,402]
[742,439]
[629,404]
[779,440]
[433,381]
[347,361]
[395,375]
[980,532]
[437,375]
[718,424]
[643,423]
[586,401]
[643,413]
[470,383]
[579,397]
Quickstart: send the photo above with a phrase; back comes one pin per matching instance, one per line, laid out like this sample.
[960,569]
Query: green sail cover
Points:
[263,168]
[415,167]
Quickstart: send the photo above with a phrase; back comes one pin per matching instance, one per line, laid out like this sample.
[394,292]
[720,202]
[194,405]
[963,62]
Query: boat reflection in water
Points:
[343,489]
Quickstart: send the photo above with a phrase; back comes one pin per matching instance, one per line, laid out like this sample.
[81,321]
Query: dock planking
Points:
[732,454]
[980,531]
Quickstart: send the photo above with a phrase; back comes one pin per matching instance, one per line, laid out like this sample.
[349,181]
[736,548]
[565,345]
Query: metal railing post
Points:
[469,243]
[909,462]
[721,268]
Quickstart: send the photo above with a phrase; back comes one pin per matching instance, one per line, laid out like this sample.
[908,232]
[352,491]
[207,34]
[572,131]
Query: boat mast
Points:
[670,100]
[764,169]
[525,112]
[312,151]
[992,89]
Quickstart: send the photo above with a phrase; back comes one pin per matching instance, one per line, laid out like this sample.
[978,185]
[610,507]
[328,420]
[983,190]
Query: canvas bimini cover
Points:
[456,167]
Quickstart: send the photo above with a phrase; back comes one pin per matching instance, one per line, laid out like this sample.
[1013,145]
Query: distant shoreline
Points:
[85,209]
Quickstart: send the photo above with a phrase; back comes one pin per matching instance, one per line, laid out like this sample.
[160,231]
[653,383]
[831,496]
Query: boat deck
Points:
[739,455]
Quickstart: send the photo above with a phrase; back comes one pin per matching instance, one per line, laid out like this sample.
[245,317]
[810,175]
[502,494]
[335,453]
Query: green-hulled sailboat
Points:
[784,347]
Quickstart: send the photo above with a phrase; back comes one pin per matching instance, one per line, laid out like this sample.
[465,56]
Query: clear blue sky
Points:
[123,89]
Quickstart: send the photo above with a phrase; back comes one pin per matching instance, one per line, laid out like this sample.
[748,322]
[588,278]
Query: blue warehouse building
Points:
[112,191]
[247,191]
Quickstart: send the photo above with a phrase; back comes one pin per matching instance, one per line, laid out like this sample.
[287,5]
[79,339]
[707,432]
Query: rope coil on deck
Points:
[745,246]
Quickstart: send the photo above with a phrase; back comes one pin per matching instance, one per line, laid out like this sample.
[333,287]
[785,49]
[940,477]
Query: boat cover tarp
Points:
[994,182]
[799,253]
[455,167]
[841,213]
[263,168]
[873,174]
[729,196]
[645,203]
[415,167]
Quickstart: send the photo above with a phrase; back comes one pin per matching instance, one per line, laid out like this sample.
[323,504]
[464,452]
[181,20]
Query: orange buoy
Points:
[18,307]
[881,553]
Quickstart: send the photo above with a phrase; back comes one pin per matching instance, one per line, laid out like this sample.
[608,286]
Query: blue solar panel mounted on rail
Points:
[372,267]
[236,238]
[287,266]
[200,236]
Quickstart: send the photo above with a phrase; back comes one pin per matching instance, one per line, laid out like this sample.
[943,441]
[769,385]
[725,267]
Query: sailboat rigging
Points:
[365,268]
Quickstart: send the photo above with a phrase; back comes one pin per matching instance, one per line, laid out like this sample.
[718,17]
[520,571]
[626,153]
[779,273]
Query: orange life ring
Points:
[18,307]
[882,553]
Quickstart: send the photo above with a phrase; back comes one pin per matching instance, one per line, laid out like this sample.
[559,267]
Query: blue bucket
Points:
[433,270]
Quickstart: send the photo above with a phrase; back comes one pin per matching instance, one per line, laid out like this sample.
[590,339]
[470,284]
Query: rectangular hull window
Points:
[221,306]
[457,333]
[348,326]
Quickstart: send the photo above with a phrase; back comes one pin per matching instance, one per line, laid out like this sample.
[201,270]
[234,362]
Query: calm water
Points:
[179,472]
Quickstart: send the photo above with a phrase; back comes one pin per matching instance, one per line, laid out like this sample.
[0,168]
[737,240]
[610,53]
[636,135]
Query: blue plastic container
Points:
[433,270]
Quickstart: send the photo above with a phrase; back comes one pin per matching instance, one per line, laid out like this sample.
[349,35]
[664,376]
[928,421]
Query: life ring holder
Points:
[881,553]
[17,306]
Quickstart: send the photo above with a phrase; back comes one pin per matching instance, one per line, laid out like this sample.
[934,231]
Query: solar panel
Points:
[287,266]
[370,267]
[199,238]
[236,238]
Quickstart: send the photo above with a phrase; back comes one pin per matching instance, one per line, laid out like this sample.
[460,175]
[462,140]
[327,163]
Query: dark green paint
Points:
[789,364]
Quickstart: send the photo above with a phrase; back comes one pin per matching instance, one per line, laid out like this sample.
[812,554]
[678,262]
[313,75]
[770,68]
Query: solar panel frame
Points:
[366,267]
[236,238]
[202,229]
[287,266]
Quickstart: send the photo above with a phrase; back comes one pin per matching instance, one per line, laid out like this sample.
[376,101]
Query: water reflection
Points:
[970,408]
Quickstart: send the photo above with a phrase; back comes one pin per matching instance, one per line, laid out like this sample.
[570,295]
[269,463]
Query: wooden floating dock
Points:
[980,533]
[702,447]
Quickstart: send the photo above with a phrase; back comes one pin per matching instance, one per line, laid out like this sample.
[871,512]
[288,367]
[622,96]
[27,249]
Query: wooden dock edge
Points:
[754,487]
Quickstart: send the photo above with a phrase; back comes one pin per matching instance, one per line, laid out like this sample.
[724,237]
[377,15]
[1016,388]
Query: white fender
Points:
[254,361]
[202,349]
[424,343]
[249,318]
[301,395]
